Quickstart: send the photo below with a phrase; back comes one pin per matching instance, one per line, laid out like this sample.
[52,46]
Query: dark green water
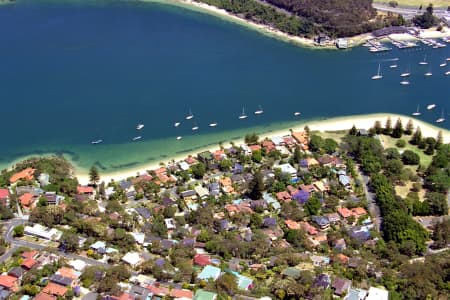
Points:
[72,73]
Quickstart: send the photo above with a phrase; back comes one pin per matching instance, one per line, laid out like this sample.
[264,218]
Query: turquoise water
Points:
[72,73]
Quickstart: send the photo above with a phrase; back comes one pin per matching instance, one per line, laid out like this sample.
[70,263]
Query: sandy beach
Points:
[332,124]
[275,33]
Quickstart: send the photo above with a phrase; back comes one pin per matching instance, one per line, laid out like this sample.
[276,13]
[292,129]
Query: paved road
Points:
[374,209]
[407,12]
[14,244]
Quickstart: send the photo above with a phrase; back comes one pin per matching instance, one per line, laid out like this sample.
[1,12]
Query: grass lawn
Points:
[389,142]
[335,135]
[417,3]
[402,191]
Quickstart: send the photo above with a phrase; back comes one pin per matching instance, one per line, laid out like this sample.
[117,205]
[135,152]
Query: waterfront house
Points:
[26,174]
[205,157]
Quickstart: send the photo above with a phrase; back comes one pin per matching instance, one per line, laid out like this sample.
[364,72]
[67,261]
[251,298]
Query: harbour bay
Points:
[72,73]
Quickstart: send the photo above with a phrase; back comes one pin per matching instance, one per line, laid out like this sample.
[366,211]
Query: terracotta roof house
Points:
[254,147]
[44,296]
[301,138]
[29,254]
[202,260]
[28,263]
[85,189]
[9,282]
[311,230]
[4,196]
[292,224]
[26,200]
[283,196]
[343,259]
[55,289]
[181,294]
[268,145]
[344,212]
[359,211]
[27,174]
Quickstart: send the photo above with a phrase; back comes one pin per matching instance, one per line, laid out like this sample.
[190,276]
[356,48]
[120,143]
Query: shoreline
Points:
[277,34]
[332,124]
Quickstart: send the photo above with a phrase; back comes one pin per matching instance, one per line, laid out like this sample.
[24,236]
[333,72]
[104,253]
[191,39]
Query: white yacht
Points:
[441,119]
[407,73]
[97,142]
[195,127]
[431,106]
[140,126]
[428,74]
[378,76]
[417,112]
[260,111]
[297,113]
[136,138]
[190,115]
[243,115]
[393,66]
[214,124]
[404,82]
[179,138]
[424,61]
[447,73]
[176,124]
[443,64]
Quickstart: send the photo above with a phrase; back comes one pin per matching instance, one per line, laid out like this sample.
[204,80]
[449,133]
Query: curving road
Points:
[14,244]
[407,12]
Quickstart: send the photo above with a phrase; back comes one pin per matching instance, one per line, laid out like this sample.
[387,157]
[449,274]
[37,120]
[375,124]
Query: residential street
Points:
[8,235]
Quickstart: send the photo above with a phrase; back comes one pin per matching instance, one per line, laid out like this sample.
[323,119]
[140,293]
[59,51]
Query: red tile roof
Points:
[202,260]
[8,282]
[186,294]
[292,224]
[284,196]
[27,174]
[26,199]
[29,254]
[29,263]
[254,147]
[85,189]
[344,212]
[44,296]
[126,296]
[55,289]
[359,211]
[4,193]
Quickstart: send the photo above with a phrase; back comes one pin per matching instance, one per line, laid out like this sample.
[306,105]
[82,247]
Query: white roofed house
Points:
[43,232]
[289,169]
[132,258]
[201,192]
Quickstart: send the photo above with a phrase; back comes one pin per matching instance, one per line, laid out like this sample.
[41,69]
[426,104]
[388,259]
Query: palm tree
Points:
[94,176]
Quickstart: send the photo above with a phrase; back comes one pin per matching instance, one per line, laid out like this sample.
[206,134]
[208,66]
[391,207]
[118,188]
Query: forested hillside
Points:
[338,17]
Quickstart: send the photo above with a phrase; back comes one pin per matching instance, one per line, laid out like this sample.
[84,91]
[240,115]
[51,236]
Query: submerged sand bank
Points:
[332,124]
